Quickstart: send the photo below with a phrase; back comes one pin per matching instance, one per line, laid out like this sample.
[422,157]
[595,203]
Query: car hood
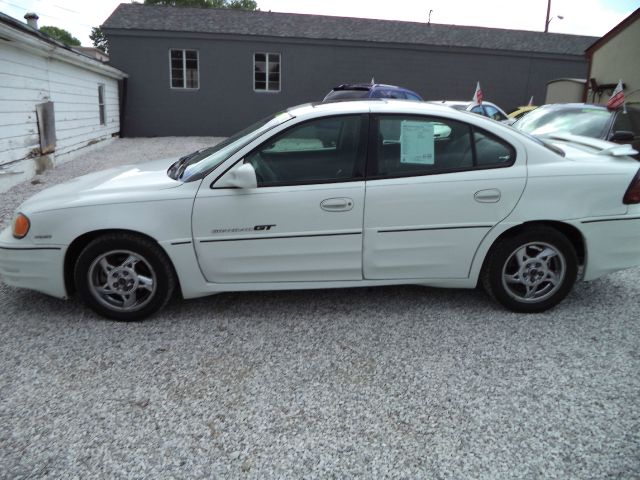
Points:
[144,181]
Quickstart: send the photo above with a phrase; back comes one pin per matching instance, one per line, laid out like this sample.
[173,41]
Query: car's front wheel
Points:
[124,276]
[531,271]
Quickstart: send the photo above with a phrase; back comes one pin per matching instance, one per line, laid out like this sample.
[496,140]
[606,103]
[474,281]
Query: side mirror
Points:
[240,176]
[622,136]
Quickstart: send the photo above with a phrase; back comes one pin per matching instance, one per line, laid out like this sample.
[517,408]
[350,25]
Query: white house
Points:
[54,101]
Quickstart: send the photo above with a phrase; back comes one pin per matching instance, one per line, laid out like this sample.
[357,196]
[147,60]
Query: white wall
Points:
[27,79]
[618,59]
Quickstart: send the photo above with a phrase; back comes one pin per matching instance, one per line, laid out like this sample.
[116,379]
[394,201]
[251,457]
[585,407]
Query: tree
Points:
[237,4]
[61,35]
[99,39]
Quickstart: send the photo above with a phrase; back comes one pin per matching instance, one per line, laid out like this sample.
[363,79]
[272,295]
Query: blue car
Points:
[351,91]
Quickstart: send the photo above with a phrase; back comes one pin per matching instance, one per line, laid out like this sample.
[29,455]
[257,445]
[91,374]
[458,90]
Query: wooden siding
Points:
[27,79]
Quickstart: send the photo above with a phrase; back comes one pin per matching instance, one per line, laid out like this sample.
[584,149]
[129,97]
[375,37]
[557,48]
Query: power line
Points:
[22,7]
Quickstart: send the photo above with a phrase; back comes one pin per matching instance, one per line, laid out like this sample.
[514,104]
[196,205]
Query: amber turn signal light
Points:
[21,226]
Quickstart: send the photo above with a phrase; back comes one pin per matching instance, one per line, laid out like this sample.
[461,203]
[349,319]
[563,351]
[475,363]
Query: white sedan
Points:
[337,195]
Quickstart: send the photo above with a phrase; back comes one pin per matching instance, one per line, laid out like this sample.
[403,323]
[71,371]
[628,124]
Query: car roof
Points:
[365,86]
[367,105]
[560,106]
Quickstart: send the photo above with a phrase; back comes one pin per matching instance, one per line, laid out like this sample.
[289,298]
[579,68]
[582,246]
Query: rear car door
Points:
[303,222]
[435,188]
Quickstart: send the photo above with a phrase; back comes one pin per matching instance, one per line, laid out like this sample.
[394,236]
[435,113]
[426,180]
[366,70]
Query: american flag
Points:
[478,96]
[617,97]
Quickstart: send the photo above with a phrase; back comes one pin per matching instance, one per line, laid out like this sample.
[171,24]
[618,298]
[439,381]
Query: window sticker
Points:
[416,142]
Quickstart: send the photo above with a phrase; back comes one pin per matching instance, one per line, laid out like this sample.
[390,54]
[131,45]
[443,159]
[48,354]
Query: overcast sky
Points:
[583,17]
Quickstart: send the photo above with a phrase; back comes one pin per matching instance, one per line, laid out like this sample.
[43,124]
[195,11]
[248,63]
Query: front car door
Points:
[303,222]
[435,188]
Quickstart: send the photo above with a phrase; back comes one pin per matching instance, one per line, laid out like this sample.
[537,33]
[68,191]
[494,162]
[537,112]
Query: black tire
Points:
[531,271]
[124,276]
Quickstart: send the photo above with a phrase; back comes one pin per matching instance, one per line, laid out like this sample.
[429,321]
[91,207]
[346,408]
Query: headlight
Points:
[21,225]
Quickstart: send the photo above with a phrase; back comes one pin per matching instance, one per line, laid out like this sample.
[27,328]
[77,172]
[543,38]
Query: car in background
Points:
[521,112]
[354,91]
[595,121]
[486,109]
[399,193]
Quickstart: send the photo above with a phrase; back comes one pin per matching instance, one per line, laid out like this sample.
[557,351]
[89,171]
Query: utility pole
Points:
[546,23]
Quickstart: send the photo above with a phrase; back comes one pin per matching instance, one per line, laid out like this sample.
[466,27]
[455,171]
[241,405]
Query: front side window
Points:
[412,146]
[318,151]
[184,69]
[266,72]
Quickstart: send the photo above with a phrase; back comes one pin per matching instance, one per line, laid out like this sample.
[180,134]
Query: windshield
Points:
[197,165]
[587,121]
[346,94]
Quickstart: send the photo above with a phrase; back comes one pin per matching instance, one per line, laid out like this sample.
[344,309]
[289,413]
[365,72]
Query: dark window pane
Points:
[274,58]
[176,63]
[192,78]
[176,82]
[260,57]
[176,54]
[274,86]
[317,151]
[274,67]
[260,77]
[623,122]
[192,64]
[410,146]
[191,55]
[491,150]
[261,85]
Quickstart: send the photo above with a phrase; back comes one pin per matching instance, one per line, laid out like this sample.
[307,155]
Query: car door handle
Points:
[337,204]
[491,195]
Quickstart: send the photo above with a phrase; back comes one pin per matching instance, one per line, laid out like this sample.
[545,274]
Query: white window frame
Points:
[253,73]
[102,106]
[184,69]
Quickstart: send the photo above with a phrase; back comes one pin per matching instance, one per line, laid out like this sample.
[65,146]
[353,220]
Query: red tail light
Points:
[633,192]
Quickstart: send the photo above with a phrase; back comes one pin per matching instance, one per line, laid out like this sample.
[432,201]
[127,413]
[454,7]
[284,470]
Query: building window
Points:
[266,72]
[184,69]
[103,116]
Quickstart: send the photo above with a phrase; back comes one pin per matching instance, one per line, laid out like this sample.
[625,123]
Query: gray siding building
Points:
[199,71]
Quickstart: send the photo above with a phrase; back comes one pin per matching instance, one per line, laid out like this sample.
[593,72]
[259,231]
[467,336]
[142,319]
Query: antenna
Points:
[429,22]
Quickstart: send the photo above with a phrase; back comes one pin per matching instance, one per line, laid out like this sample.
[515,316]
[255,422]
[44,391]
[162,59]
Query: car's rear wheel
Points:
[124,276]
[531,271]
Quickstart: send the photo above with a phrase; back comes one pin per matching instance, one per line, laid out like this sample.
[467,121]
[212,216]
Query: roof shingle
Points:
[319,27]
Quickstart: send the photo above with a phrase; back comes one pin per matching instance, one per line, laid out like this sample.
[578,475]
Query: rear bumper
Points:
[39,268]
[612,245]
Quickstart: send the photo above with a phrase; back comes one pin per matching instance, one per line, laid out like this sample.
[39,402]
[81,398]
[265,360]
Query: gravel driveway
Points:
[399,382]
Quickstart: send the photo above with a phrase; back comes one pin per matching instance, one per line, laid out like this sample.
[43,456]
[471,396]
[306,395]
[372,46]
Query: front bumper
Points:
[35,267]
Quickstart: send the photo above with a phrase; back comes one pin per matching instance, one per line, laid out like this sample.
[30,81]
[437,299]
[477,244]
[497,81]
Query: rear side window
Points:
[491,151]
[413,146]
